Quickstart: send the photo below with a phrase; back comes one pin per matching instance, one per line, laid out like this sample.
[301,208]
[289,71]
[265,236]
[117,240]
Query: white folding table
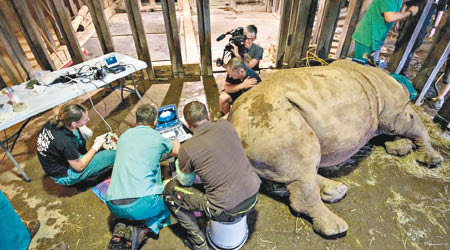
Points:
[56,94]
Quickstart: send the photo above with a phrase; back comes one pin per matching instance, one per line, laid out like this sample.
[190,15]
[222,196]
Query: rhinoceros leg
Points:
[303,198]
[409,124]
[331,191]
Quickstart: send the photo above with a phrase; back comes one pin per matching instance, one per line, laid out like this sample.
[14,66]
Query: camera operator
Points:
[253,53]
[239,80]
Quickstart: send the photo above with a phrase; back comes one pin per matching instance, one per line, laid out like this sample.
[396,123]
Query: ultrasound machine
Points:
[169,125]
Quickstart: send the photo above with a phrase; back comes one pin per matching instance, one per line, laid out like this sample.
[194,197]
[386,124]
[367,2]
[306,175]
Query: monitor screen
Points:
[167,117]
[111,61]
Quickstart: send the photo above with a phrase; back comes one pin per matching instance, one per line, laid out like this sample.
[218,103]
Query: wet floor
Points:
[392,202]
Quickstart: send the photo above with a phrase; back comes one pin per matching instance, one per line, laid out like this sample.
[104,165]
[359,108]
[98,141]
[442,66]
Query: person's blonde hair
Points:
[67,114]
[235,63]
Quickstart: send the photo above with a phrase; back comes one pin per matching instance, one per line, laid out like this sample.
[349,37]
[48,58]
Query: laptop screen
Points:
[167,117]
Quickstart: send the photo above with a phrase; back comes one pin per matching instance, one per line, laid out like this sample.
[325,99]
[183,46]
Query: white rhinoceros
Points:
[298,120]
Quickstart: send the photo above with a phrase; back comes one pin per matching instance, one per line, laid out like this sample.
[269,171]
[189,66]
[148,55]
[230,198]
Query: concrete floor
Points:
[392,202]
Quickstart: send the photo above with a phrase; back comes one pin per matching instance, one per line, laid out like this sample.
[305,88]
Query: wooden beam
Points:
[31,34]
[406,42]
[37,13]
[67,31]
[328,25]
[2,83]
[174,93]
[192,56]
[437,51]
[96,9]
[45,4]
[204,33]
[79,4]
[283,32]
[12,46]
[290,36]
[318,21]
[351,20]
[10,68]
[140,41]
[302,20]
[212,96]
[309,27]
[170,21]
[72,8]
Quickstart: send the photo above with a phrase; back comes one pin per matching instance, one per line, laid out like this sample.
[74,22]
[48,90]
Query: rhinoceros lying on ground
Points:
[298,120]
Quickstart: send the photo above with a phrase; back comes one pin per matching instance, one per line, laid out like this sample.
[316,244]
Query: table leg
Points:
[11,157]
[136,90]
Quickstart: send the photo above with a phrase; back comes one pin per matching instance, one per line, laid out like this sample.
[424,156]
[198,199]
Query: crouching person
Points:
[216,155]
[61,148]
[136,188]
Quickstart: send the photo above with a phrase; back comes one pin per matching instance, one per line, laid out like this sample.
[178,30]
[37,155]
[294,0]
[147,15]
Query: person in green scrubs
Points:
[375,25]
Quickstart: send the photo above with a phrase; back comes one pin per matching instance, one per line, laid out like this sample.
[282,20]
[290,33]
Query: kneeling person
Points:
[135,192]
[216,155]
[239,80]
[61,148]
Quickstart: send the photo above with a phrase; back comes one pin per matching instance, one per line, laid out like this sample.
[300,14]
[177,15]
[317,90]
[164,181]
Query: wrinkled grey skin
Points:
[298,120]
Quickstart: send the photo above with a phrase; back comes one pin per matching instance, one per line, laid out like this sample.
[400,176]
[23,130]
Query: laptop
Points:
[168,124]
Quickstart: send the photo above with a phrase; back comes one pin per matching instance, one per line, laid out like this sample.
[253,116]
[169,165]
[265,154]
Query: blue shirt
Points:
[136,171]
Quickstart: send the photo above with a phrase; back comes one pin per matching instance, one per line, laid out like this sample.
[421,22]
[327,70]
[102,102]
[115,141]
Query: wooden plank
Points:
[140,41]
[31,34]
[2,83]
[351,20]
[204,33]
[72,8]
[9,68]
[79,4]
[327,27]
[318,23]
[170,21]
[309,27]
[437,50]
[67,31]
[45,5]
[174,93]
[191,47]
[275,6]
[283,31]
[290,36]
[302,19]
[37,13]
[96,9]
[12,46]
[212,96]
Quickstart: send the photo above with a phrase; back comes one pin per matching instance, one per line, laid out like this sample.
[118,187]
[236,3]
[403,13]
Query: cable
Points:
[313,56]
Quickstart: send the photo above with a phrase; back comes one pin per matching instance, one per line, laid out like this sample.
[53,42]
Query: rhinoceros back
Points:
[342,103]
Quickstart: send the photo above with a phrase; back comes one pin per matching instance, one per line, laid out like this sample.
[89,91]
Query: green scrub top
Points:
[372,29]
[136,172]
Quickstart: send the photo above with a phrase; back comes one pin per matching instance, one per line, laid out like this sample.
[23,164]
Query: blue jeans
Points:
[13,233]
[151,209]
[98,163]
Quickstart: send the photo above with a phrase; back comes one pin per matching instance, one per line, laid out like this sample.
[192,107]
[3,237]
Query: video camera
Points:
[237,38]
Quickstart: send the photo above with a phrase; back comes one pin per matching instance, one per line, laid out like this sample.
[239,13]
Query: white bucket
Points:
[227,235]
